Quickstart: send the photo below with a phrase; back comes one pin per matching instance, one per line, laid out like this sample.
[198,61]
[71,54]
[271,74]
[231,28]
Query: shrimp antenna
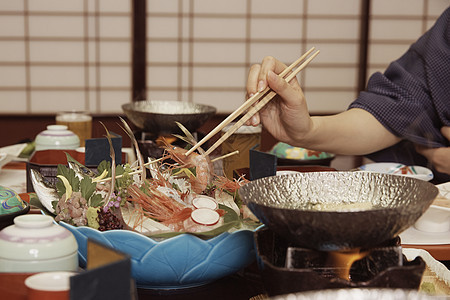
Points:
[112,154]
[129,132]
[189,138]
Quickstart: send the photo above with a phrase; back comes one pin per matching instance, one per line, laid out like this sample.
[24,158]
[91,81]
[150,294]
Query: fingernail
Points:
[253,120]
[271,74]
[251,95]
[261,86]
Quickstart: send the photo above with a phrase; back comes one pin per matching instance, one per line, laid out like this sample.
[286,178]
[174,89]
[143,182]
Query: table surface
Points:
[246,284]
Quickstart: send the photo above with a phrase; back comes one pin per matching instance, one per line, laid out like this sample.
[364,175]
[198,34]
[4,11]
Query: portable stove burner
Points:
[286,268]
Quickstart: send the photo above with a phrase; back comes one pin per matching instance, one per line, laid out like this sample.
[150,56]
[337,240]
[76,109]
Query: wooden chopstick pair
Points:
[264,97]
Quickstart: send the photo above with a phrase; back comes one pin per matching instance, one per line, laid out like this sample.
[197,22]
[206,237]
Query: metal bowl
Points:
[159,116]
[331,211]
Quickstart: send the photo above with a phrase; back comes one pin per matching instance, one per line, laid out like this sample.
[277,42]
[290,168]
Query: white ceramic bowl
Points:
[57,137]
[36,244]
[437,217]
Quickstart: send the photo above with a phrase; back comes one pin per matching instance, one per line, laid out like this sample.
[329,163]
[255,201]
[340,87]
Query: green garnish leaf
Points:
[96,200]
[104,165]
[54,204]
[71,159]
[186,171]
[87,187]
[70,176]
[34,201]
[120,170]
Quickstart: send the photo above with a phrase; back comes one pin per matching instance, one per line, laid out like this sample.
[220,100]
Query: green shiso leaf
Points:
[96,200]
[87,187]
[104,165]
[70,176]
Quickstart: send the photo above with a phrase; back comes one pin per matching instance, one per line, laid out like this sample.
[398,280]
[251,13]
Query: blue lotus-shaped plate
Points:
[179,262]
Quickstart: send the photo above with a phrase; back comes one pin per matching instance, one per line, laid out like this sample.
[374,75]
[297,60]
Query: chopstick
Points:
[225,156]
[252,100]
[254,109]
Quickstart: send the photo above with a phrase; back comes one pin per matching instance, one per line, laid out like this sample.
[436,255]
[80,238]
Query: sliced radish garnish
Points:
[205,216]
[204,202]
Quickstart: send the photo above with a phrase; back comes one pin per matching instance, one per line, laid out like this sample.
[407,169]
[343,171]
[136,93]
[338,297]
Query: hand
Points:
[286,116]
[438,157]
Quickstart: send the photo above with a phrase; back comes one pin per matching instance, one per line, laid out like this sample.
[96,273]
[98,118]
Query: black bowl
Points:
[8,219]
[332,211]
[159,117]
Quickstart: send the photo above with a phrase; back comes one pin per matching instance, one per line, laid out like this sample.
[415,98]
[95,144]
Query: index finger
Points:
[252,80]
[269,63]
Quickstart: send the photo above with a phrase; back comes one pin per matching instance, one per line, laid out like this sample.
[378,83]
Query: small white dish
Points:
[413,236]
[433,227]
[49,285]
[10,153]
[14,150]
[3,159]
[286,172]
[437,216]
[418,172]
[50,281]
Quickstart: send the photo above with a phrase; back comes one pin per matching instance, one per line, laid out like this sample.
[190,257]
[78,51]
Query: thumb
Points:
[290,95]
[446,132]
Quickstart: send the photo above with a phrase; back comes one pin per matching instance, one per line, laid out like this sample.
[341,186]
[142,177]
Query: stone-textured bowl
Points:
[338,210]
[159,116]
[179,262]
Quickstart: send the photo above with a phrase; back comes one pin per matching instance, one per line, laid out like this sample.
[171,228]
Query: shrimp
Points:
[223,183]
[202,164]
[159,206]
[156,204]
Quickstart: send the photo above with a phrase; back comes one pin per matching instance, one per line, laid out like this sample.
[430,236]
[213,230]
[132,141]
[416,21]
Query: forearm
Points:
[353,132]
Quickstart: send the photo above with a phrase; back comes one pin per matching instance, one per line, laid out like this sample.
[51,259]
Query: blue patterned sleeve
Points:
[412,98]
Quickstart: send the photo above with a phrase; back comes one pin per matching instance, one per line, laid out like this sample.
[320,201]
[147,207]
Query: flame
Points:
[343,260]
